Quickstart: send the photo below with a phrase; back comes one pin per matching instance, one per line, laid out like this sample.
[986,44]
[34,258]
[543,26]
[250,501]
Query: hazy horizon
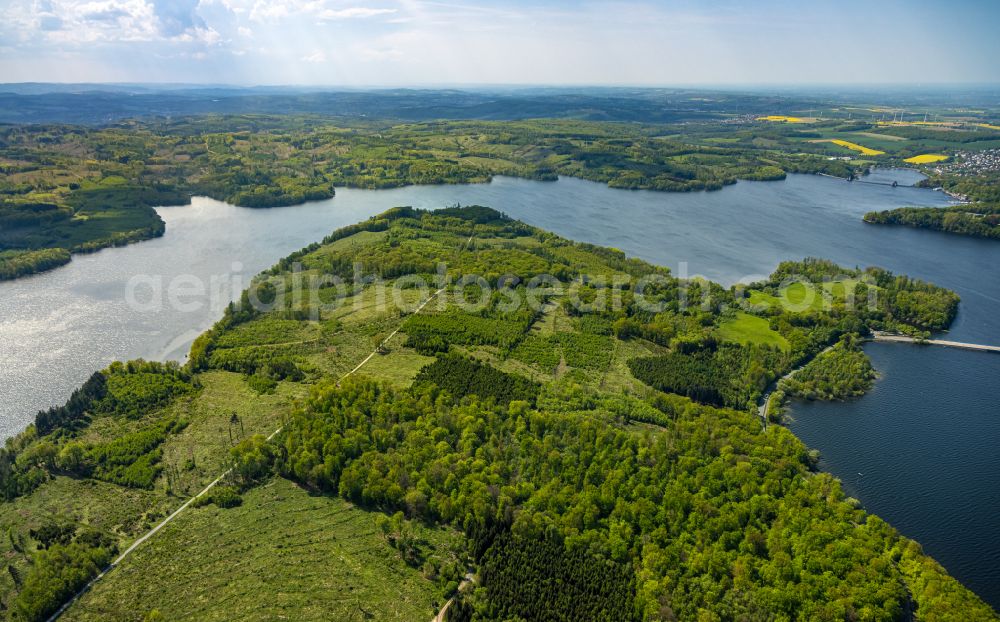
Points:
[419,43]
[523,85]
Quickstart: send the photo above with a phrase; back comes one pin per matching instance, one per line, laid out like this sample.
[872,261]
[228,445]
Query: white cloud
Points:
[205,36]
[353,12]
[318,56]
[244,31]
[75,23]
[110,20]
[266,11]
[269,10]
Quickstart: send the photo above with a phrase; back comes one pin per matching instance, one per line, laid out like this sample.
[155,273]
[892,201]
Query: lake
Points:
[920,450]
[924,439]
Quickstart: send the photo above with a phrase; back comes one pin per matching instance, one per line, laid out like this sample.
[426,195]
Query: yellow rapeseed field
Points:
[778,117]
[856,147]
[988,126]
[926,158]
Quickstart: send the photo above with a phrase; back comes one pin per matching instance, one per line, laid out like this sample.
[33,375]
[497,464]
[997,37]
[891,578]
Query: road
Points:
[766,398]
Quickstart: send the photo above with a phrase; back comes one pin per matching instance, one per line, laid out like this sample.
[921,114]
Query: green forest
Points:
[562,463]
[840,373]
[978,219]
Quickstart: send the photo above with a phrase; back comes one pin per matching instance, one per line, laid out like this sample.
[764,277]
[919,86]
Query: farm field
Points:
[855,147]
[926,158]
[783,118]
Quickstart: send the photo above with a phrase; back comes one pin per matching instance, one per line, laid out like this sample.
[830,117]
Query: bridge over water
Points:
[934,342]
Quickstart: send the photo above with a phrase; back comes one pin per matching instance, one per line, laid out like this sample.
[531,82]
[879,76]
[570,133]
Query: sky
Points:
[554,42]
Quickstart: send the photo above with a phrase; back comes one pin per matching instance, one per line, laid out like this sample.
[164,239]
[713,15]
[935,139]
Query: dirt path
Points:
[467,581]
[766,398]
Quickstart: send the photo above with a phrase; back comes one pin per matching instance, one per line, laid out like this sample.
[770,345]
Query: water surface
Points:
[920,450]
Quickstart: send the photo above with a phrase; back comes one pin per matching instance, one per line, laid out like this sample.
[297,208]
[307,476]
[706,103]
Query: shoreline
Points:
[448,192]
[134,237]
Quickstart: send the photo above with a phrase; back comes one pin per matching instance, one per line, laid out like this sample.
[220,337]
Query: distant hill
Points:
[39,102]
[99,104]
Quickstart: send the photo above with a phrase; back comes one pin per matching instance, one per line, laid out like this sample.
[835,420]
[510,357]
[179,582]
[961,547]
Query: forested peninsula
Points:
[595,454]
[977,219]
[978,214]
